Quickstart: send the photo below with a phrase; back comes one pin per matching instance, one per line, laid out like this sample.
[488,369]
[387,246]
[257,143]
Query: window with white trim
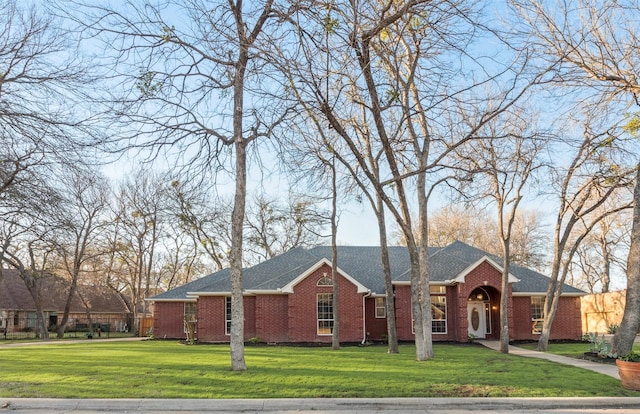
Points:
[325,281]
[381,310]
[325,313]
[189,316]
[537,314]
[438,309]
[227,315]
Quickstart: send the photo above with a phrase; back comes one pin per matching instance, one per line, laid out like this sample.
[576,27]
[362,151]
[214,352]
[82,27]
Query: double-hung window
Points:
[227,315]
[438,309]
[537,314]
[381,310]
[325,313]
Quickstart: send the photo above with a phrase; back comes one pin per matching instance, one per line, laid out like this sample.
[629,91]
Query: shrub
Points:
[631,357]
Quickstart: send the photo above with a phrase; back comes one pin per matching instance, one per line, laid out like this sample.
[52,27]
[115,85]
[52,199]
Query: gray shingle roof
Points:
[363,263]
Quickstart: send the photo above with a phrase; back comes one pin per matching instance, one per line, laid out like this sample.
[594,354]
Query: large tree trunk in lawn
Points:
[626,333]
[504,300]
[235,258]
[390,306]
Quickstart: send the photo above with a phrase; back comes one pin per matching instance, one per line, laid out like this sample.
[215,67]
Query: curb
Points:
[321,405]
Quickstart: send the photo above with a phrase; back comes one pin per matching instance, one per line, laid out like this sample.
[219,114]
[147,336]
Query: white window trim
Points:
[227,322]
[383,308]
[318,316]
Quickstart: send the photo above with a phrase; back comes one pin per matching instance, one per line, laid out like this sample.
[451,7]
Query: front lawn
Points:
[167,369]
[568,349]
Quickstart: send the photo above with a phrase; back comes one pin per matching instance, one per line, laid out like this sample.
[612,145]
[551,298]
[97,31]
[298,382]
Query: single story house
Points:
[288,299]
[97,305]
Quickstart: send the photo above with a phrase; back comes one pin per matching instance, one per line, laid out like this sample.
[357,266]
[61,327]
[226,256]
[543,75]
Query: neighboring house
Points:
[601,311]
[288,299]
[97,305]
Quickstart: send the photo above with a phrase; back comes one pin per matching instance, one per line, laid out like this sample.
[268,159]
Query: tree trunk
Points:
[62,324]
[235,259]
[423,255]
[504,300]
[626,333]
[390,306]
[335,332]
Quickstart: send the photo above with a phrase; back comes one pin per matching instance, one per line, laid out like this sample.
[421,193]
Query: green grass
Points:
[569,349]
[22,337]
[166,369]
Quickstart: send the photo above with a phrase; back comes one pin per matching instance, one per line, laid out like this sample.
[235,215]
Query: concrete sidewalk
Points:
[606,369]
[328,405]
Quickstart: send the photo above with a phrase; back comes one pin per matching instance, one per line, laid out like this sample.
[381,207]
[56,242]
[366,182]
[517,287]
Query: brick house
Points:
[288,298]
[98,304]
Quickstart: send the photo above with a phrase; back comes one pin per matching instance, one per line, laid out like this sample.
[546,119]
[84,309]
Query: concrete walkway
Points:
[606,369]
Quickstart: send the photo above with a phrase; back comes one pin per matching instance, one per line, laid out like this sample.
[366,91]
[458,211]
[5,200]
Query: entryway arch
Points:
[482,312]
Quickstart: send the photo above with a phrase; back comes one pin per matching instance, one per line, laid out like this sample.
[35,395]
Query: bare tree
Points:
[28,243]
[273,228]
[42,78]
[468,223]
[395,77]
[505,158]
[595,43]
[191,77]
[204,217]
[136,236]
[599,254]
[85,202]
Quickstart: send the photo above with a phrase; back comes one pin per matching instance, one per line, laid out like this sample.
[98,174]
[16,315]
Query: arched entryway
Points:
[483,312]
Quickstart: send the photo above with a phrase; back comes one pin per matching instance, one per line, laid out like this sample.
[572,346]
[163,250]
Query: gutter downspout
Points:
[364,318]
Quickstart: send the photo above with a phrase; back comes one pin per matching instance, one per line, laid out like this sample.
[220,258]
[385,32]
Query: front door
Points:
[476,320]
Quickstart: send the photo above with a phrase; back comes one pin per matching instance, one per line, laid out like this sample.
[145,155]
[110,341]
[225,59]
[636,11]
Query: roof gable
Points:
[288,288]
[460,278]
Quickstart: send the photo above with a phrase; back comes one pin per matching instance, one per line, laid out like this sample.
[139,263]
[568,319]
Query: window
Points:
[438,290]
[16,318]
[189,317]
[324,281]
[439,314]
[537,314]
[438,309]
[227,315]
[31,320]
[325,313]
[381,310]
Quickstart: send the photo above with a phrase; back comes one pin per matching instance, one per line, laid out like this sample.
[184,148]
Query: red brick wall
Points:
[211,319]
[169,320]
[271,318]
[403,313]
[376,327]
[302,316]
[566,324]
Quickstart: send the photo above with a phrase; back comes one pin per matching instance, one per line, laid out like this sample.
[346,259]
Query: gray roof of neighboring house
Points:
[362,263]
[14,295]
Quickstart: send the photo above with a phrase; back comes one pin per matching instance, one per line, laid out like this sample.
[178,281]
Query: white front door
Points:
[476,318]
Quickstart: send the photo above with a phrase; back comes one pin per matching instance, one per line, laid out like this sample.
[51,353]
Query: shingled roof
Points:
[364,265]
[14,295]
